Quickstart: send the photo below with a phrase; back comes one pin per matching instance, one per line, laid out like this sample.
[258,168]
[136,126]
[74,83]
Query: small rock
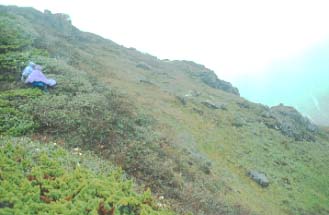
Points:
[205,167]
[213,105]
[146,82]
[243,104]
[6,204]
[143,65]
[200,112]
[238,122]
[182,100]
[193,93]
[259,178]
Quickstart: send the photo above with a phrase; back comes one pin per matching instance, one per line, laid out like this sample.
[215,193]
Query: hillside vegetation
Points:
[172,126]
[45,179]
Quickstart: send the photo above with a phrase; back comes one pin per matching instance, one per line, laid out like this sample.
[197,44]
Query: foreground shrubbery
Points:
[13,121]
[45,179]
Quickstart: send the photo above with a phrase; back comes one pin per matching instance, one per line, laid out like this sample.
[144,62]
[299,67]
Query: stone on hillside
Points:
[144,66]
[192,93]
[206,167]
[259,178]
[146,82]
[182,100]
[198,111]
[213,105]
[243,104]
[238,121]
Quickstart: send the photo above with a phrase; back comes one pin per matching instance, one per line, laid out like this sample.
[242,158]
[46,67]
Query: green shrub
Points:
[27,93]
[86,118]
[12,36]
[12,120]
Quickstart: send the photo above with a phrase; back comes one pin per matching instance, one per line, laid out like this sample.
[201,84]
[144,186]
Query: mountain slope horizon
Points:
[172,126]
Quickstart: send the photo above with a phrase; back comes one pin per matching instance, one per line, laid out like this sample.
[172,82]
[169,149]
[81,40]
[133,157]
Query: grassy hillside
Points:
[172,126]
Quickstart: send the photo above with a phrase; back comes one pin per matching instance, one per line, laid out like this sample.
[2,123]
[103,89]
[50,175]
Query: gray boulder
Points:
[182,100]
[213,105]
[244,104]
[146,82]
[259,178]
[143,65]
[238,121]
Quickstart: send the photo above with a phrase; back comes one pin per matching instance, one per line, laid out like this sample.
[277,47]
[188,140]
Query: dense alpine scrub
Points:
[46,179]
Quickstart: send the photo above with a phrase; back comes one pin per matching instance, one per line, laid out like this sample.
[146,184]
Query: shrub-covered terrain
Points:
[172,126]
[45,179]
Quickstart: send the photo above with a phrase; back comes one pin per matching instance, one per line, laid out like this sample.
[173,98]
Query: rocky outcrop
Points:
[210,78]
[206,75]
[290,122]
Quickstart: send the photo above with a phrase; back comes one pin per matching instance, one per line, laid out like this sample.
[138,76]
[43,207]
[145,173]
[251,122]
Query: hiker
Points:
[28,70]
[36,78]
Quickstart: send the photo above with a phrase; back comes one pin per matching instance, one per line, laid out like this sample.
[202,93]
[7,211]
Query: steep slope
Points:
[171,125]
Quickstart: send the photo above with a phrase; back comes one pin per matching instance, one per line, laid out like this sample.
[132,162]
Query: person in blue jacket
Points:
[28,70]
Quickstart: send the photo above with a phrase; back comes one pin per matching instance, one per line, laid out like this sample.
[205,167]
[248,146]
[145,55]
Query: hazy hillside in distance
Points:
[301,82]
[124,132]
